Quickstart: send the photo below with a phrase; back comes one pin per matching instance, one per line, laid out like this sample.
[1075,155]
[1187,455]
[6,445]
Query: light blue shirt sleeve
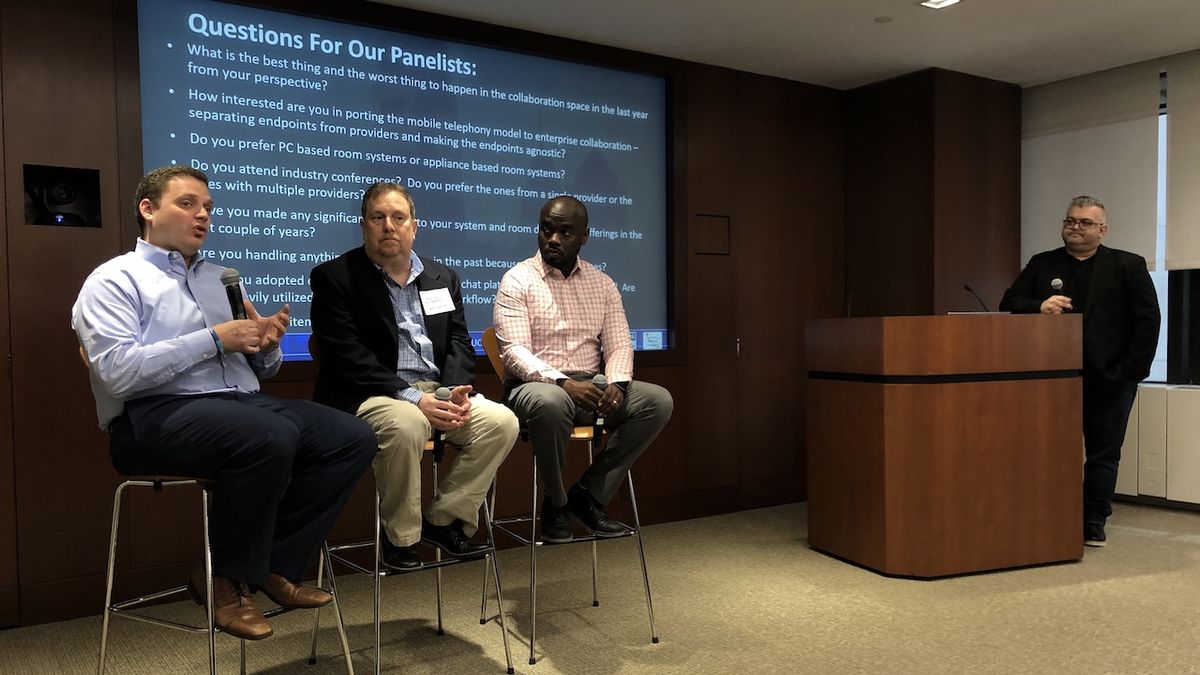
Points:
[412,395]
[108,323]
[145,321]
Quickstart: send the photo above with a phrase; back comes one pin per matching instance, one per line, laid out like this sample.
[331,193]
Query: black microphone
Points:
[1056,285]
[600,382]
[977,298]
[439,441]
[233,291]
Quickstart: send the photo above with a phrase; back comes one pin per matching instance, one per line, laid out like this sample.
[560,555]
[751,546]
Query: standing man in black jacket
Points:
[391,331]
[1114,292]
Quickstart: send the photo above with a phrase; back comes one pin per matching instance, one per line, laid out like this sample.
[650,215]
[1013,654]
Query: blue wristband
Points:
[217,341]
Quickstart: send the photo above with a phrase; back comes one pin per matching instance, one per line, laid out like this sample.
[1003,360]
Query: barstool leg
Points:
[595,564]
[533,526]
[242,643]
[375,621]
[637,529]
[312,654]
[487,561]
[208,590]
[487,519]
[337,609]
[437,556]
[108,583]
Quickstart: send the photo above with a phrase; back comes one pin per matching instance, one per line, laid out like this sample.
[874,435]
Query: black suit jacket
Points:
[1120,312]
[355,328]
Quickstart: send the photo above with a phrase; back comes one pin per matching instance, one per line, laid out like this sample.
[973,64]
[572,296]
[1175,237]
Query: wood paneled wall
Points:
[932,193]
[8,501]
[760,237]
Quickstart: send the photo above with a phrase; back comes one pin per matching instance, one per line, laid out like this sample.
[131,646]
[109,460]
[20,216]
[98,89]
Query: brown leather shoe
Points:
[233,609]
[295,596]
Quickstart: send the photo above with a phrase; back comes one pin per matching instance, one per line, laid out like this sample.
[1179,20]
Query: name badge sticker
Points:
[437,301]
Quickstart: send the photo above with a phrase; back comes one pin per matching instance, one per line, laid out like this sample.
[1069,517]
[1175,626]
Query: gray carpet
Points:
[739,592]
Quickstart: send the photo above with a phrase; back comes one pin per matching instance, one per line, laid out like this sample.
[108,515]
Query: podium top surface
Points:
[946,345]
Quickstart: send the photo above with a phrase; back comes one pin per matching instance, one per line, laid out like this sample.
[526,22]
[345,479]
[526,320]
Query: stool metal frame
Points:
[126,608]
[378,571]
[508,525]
[591,434]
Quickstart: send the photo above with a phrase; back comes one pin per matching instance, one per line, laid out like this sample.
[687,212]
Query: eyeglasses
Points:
[1079,224]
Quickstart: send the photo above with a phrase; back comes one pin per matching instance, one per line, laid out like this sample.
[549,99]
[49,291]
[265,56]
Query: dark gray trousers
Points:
[549,414]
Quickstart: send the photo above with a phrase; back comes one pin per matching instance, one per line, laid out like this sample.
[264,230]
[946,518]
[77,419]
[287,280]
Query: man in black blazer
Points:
[1121,320]
[390,329]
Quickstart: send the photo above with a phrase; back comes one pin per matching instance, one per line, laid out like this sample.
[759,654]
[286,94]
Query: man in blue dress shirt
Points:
[176,381]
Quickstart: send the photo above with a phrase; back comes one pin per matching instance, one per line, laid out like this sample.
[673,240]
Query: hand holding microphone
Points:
[441,410]
[249,333]
[1056,303]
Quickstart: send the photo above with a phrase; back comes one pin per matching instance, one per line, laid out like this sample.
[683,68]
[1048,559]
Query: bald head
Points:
[565,204]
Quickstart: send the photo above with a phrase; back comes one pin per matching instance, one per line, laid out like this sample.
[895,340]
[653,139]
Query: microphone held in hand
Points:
[600,382]
[439,441]
[233,290]
[977,298]
[1056,285]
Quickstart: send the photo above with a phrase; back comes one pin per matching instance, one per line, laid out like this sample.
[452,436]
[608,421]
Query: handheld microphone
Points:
[439,441]
[977,298]
[1056,285]
[233,290]
[600,382]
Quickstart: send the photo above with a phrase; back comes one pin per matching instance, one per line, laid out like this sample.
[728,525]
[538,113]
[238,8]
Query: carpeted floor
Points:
[739,592]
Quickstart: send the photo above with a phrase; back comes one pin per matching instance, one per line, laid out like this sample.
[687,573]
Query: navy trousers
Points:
[281,469]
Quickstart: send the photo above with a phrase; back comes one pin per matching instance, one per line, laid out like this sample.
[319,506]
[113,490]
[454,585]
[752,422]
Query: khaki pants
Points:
[402,430]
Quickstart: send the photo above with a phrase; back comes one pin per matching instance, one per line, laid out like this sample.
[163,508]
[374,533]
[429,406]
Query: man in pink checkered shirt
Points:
[560,321]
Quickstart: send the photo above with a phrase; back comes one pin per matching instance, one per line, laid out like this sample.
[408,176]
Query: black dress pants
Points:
[1106,406]
[281,469]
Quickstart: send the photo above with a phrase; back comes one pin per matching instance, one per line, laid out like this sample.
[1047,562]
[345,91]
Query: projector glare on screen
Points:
[293,117]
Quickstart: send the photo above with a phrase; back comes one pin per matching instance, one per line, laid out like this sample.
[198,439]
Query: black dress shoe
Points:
[451,539]
[398,558]
[555,529]
[584,508]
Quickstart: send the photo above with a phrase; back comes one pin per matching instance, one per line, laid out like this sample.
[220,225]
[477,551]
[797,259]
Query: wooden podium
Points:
[943,445]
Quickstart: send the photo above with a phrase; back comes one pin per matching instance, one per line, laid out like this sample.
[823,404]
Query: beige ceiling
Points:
[838,43]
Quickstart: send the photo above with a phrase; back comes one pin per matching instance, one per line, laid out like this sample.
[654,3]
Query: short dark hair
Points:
[154,184]
[570,201]
[384,187]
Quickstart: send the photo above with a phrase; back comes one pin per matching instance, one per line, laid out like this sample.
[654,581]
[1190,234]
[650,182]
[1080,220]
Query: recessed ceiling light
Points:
[938,4]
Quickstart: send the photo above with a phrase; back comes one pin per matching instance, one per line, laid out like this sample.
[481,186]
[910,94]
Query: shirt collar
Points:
[546,268]
[165,259]
[415,268]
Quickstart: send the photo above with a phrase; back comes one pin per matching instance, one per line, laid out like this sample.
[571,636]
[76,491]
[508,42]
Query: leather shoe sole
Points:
[228,627]
[597,532]
[401,559]
[292,595]
[555,529]
[451,541]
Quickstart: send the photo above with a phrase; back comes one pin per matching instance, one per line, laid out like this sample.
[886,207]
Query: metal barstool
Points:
[127,608]
[436,446]
[592,435]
